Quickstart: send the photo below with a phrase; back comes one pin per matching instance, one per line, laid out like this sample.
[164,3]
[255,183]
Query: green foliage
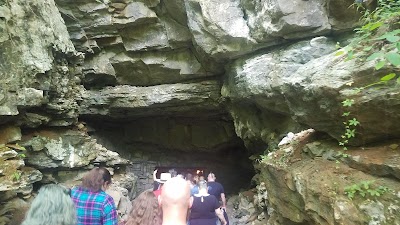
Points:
[378,38]
[349,124]
[365,189]
[16,176]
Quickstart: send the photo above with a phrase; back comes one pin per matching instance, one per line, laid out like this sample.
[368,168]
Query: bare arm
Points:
[220,215]
[155,175]
[223,200]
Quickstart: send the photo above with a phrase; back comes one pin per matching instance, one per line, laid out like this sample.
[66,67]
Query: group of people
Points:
[207,203]
[175,200]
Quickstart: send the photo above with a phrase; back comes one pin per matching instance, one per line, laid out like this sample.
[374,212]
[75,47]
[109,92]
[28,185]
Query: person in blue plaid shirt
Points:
[93,205]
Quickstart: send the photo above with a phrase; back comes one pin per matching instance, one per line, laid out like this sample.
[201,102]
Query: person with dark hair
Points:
[52,205]
[205,208]
[194,189]
[94,206]
[173,172]
[216,189]
[145,210]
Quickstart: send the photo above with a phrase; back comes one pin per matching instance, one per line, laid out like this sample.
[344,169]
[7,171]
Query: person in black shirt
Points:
[216,189]
[205,208]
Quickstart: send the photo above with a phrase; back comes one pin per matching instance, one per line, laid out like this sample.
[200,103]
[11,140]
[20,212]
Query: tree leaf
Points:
[393,38]
[398,80]
[375,25]
[388,77]
[379,65]
[375,56]
[394,58]
[339,53]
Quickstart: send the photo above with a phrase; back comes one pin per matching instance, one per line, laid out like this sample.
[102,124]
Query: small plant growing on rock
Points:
[350,125]
[365,189]
[16,176]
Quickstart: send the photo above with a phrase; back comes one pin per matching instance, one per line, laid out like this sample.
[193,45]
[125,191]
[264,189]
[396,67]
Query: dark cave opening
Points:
[181,143]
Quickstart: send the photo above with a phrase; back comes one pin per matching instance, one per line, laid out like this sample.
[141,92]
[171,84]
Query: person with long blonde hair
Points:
[145,210]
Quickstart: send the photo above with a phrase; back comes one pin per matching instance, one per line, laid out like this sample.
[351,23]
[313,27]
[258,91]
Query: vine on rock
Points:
[378,40]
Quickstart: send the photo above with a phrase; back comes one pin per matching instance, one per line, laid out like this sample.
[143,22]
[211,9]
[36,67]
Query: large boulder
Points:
[228,29]
[254,85]
[306,187]
[307,84]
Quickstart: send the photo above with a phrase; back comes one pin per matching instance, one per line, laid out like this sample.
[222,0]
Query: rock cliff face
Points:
[135,84]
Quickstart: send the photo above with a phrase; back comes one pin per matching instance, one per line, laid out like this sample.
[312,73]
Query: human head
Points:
[202,185]
[173,172]
[196,178]
[211,177]
[52,205]
[97,179]
[203,188]
[201,178]
[189,177]
[175,201]
[145,210]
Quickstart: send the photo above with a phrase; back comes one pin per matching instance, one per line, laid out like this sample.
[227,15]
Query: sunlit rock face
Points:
[306,84]
[38,66]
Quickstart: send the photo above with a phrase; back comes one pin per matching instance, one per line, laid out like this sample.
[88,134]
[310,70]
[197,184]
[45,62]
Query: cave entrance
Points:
[200,171]
[186,144]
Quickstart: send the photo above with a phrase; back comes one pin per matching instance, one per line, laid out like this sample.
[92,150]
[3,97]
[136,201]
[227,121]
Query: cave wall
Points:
[164,82]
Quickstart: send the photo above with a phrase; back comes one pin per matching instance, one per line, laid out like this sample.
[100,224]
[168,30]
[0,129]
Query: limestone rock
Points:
[176,9]
[98,71]
[134,13]
[312,191]
[9,134]
[157,68]
[289,20]
[14,176]
[255,86]
[379,161]
[68,149]
[228,29]
[40,52]
[330,77]
[243,209]
[219,28]
[309,85]
[166,99]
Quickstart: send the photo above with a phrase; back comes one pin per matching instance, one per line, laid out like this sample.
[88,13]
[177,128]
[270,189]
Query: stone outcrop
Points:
[228,29]
[38,64]
[189,99]
[306,86]
[66,149]
[318,189]
[259,83]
